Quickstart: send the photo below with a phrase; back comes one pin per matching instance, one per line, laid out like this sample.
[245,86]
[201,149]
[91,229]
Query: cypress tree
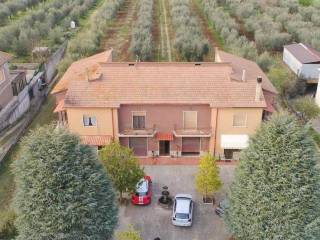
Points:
[276,191]
[62,191]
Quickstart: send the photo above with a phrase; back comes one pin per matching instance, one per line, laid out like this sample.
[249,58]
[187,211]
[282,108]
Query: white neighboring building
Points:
[303,60]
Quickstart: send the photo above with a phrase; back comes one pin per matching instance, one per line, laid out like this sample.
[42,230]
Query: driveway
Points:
[153,221]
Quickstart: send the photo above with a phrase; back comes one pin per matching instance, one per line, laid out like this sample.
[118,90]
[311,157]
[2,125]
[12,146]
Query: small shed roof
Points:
[304,53]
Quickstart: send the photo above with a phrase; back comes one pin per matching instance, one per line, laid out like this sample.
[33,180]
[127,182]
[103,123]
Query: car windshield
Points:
[182,215]
[142,188]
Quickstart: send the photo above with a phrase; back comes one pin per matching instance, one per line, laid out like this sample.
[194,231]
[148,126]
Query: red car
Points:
[143,193]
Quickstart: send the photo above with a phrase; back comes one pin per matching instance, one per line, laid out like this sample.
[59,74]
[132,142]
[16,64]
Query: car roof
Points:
[142,186]
[182,205]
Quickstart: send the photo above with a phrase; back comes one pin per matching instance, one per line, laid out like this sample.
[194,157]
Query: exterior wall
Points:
[225,124]
[104,121]
[165,118]
[6,93]
[292,62]
[310,71]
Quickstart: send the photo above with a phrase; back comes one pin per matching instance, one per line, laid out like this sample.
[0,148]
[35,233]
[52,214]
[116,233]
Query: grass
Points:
[7,186]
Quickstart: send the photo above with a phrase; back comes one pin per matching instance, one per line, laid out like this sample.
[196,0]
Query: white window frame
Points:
[141,113]
[245,121]
[183,116]
[89,116]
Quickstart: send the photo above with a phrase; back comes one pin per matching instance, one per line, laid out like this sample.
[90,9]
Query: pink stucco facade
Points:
[162,118]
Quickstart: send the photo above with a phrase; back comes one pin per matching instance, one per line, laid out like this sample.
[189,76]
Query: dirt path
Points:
[206,29]
[165,37]
[118,35]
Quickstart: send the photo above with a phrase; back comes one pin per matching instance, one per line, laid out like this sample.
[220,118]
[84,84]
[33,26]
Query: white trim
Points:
[196,135]
[183,112]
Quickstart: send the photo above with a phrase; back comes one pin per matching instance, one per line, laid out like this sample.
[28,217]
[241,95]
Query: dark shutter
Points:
[191,145]
[139,145]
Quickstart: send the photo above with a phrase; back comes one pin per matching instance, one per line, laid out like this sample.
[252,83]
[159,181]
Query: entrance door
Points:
[164,148]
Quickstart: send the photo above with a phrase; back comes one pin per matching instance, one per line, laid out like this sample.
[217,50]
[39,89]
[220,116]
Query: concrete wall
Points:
[225,124]
[291,61]
[52,63]
[166,118]
[310,71]
[105,124]
[6,94]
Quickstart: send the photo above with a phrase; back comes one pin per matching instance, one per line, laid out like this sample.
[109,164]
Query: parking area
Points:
[154,221]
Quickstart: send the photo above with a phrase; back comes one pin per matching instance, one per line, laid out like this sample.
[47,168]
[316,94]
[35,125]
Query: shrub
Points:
[7,228]
[307,107]
[265,61]
[122,166]
[189,40]
[30,29]
[62,190]
[277,181]
[87,42]
[141,41]
[129,234]
[208,179]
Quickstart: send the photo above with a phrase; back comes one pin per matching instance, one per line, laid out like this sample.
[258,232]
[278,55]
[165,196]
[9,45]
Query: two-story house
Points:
[161,108]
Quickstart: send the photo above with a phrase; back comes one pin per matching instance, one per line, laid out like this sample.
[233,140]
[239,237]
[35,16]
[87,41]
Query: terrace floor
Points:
[179,161]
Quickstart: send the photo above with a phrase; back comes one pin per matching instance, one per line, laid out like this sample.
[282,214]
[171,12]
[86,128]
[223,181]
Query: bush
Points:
[265,61]
[62,190]
[277,181]
[141,42]
[7,228]
[88,41]
[307,107]
[30,29]
[129,234]
[189,40]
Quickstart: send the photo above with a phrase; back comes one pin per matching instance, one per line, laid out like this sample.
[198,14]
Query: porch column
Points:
[213,125]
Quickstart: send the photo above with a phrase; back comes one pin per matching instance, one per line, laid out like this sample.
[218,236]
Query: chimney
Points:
[243,78]
[259,89]
[216,55]
[318,91]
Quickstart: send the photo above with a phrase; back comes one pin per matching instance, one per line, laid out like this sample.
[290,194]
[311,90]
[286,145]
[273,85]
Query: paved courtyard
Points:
[154,221]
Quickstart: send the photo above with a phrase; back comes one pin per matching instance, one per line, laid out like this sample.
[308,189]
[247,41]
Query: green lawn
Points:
[45,116]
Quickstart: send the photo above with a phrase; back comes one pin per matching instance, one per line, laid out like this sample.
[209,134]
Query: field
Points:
[155,30]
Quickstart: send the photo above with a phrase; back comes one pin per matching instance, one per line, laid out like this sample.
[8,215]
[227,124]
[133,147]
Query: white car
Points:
[182,210]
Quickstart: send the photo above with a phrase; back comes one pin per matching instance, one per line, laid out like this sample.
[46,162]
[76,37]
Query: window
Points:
[240,120]
[138,120]
[190,120]
[89,121]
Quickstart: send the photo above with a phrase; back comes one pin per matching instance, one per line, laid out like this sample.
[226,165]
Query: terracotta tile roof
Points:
[100,140]
[82,70]
[163,83]
[59,107]
[304,53]
[252,70]
[4,57]
[162,136]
